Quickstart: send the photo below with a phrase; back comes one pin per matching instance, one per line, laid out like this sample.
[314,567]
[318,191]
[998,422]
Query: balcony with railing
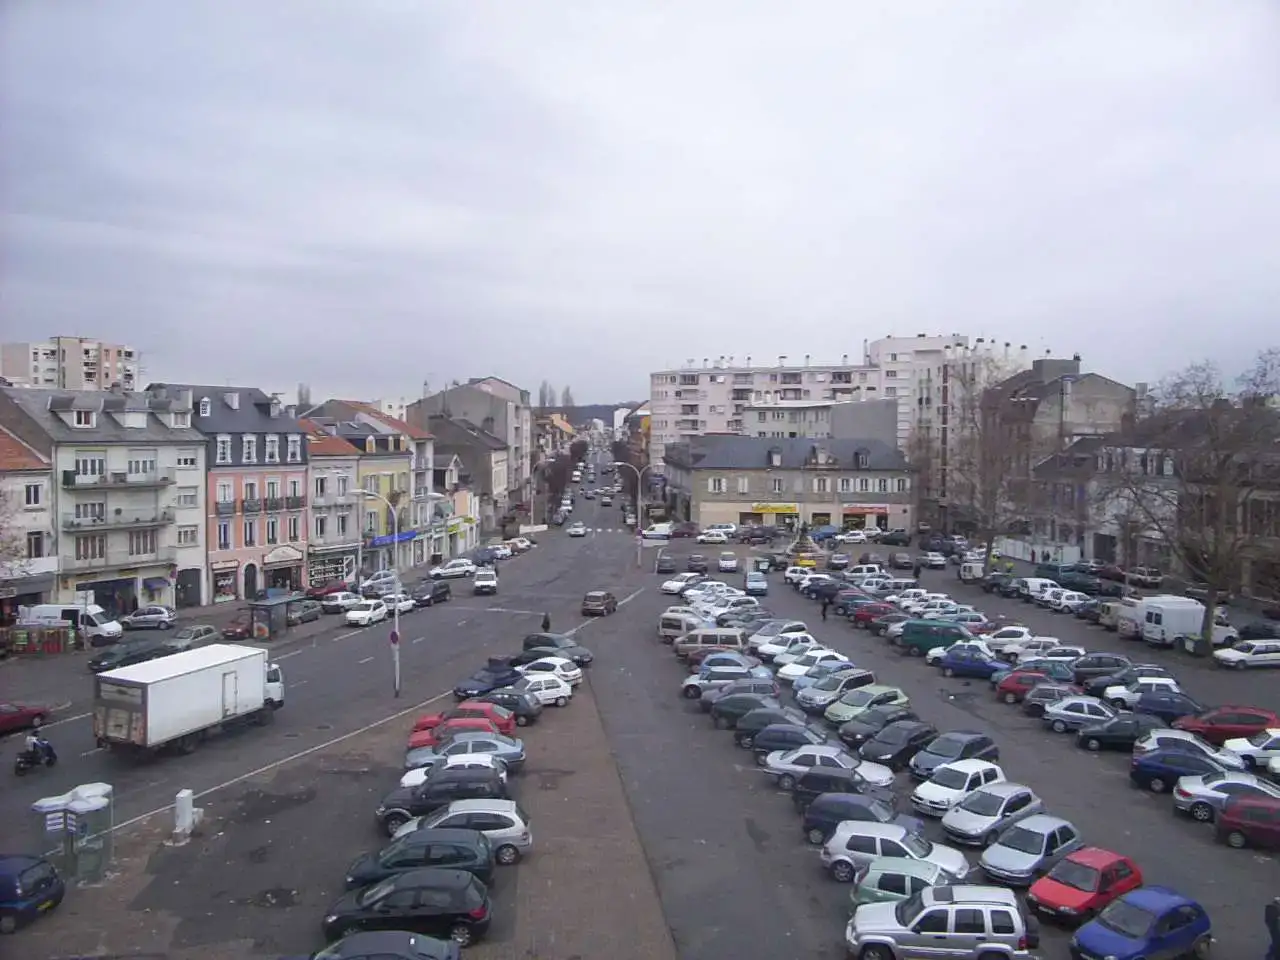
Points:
[116,557]
[117,479]
[118,518]
[251,505]
[274,504]
[295,503]
[225,508]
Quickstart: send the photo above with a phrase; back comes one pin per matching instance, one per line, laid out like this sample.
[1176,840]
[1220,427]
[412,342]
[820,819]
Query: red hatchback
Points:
[19,716]
[503,719]
[864,613]
[443,731]
[320,591]
[1015,687]
[1082,883]
[1224,723]
[1249,822]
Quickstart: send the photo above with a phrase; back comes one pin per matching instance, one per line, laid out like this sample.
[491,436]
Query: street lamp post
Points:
[395,565]
[639,472]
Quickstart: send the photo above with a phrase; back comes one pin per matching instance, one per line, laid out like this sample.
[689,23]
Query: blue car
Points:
[497,674]
[1168,706]
[1159,770]
[1147,922]
[29,888]
[969,663]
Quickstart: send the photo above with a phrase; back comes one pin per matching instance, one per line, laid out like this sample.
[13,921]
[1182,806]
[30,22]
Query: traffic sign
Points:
[395,638]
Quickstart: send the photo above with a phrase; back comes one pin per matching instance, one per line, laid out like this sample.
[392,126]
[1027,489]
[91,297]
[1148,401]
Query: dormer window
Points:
[863,459]
[250,449]
[775,458]
[223,453]
[85,419]
[204,407]
[181,421]
[295,448]
[271,453]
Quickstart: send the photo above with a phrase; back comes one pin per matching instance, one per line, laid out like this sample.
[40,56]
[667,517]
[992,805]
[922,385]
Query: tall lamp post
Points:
[639,472]
[395,564]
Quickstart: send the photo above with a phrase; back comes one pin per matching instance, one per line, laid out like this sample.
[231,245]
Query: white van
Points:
[657,531]
[1037,587]
[90,621]
[971,572]
[1165,619]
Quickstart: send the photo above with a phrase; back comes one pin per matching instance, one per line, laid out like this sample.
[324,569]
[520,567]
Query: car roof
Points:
[1095,857]
[484,806]
[1157,898]
[871,828]
[879,688]
[969,893]
[1005,788]
[906,866]
[443,835]
[1043,822]
[969,765]
[438,877]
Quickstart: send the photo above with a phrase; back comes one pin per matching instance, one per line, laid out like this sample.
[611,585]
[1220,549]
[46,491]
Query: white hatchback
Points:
[550,690]
[486,761]
[566,670]
[951,783]
[399,602]
[801,665]
[366,613]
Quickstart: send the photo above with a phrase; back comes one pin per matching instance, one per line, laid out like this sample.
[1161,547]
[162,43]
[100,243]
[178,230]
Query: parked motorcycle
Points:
[29,760]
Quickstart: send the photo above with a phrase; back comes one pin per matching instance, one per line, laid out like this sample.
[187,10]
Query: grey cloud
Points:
[367,195]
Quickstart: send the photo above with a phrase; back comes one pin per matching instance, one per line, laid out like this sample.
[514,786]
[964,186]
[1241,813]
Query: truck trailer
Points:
[174,702]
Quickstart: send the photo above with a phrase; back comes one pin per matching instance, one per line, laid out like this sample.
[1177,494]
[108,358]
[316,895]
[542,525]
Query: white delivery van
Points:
[1037,587]
[90,620]
[1166,619]
[657,531]
[971,572]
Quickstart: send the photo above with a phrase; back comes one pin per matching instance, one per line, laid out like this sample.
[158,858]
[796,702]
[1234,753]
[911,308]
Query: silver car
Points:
[1203,797]
[695,685]
[857,842]
[503,822]
[922,925]
[817,696]
[788,766]
[1029,849]
[1072,713]
[982,816]
[510,751]
[150,617]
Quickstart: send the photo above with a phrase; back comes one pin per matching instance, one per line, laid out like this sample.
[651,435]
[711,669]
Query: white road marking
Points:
[54,723]
[420,639]
[462,623]
[293,653]
[295,684]
[292,758]
[366,660]
[346,636]
[631,596]
[90,753]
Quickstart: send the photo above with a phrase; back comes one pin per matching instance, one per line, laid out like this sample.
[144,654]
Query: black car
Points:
[899,539]
[387,945]
[1118,733]
[665,564]
[951,746]
[827,811]
[747,620]
[1090,610]
[498,673]
[447,903]
[696,563]
[439,790]
[859,730]
[1098,665]
[1096,686]
[1260,630]
[748,725]
[758,686]
[430,592]
[879,625]
[525,706]
[809,786]
[558,645]
[431,847]
[126,654]
[1168,706]
[783,736]
[896,744]
[726,711]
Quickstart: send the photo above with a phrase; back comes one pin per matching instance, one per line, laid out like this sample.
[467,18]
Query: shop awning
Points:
[155,583]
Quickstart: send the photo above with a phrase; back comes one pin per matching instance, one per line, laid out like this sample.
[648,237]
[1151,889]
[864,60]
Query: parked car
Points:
[1249,822]
[951,746]
[951,782]
[854,733]
[1029,848]
[404,803]
[30,887]
[1202,797]
[825,812]
[340,601]
[1224,723]
[150,617]
[1150,921]
[726,710]
[1043,695]
[752,722]
[1256,751]
[467,850]
[558,645]
[496,674]
[787,766]
[1168,705]
[453,570]
[896,744]
[329,587]
[503,720]
[366,613]
[304,611]
[784,737]
[1074,712]
[856,843]
[1121,732]
[452,904]
[1159,770]
[1166,738]
[980,818]
[126,654]
[599,603]
[189,638]
[894,879]
[1082,883]
[430,592]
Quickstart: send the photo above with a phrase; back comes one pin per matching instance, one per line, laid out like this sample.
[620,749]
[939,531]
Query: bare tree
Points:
[546,395]
[566,398]
[578,450]
[13,541]
[557,478]
[1194,471]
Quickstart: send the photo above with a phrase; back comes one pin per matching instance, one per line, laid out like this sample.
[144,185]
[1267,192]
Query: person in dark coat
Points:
[915,571]
[546,623]
[825,603]
[1271,916]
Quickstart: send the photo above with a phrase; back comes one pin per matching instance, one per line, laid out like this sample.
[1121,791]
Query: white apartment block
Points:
[70,363]
[714,396]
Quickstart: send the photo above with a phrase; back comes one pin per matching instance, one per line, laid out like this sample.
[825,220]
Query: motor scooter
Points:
[29,760]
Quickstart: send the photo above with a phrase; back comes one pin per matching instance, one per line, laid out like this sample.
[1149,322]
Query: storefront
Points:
[187,588]
[226,580]
[157,590]
[817,520]
[865,516]
[117,596]
[331,565]
[784,516]
[282,568]
[380,552]
[23,592]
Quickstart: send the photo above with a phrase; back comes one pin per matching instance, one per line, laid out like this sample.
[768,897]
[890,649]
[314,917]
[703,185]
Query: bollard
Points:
[186,816]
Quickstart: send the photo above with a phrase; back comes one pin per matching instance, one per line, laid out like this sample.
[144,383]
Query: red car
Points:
[19,716]
[1249,822]
[1082,883]
[683,531]
[1014,687]
[323,590]
[500,717]
[443,731]
[1224,723]
[865,613]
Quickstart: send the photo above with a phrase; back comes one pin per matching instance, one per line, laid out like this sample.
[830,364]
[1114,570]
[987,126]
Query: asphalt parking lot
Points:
[737,877]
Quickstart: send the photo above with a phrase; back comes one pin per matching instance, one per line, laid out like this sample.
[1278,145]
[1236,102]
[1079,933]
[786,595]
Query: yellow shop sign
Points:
[775,508]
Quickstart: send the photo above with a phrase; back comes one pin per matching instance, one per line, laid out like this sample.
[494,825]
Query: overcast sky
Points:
[365,195]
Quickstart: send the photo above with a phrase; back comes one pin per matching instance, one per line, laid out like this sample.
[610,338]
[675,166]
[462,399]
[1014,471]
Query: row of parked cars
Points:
[453,823]
[841,745]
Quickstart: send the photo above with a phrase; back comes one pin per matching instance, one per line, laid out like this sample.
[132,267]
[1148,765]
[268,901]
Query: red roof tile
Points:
[323,444]
[16,455]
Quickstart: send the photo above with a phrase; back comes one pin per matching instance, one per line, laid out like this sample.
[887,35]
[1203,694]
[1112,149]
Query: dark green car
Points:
[127,654]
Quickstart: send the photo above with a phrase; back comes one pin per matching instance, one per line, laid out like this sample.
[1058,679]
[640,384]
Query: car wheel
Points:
[746,741]
[460,933]
[521,720]
[1119,704]
[787,782]
[1157,785]
[1010,697]
[843,873]
[562,701]
[1250,763]
[1237,840]
[1059,727]
[692,693]
[393,822]
[1202,812]
[948,672]
[1093,743]
[1201,949]
[816,837]
[166,626]
[506,854]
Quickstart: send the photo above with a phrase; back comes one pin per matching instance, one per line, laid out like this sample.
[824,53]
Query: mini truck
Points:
[174,702]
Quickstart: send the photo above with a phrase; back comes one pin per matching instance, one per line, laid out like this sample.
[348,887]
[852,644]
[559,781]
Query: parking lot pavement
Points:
[1090,790]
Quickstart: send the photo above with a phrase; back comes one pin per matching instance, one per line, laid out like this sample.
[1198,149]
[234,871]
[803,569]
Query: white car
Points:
[935,654]
[577,529]
[566,670]
[712,536]
[340,602]
[936,609]
[1067,601]
[728,529]
[550,690]
[1031,649]
[917,605]
[796,649]
[933,561]
[1249,653]
[366,612]
[1000,640]
[775,646]
[487,761]
[811,658]
[523,543]
[1258,751]
[399,603]
[852,536]
[793,575]
[453,570]
[952,782]
[380,579]
[1126,696]
[500,550]
[712,591]
[677,583]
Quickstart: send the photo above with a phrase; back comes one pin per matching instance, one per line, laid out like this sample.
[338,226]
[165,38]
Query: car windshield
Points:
[982,803]
[1209,779]
[362,607]
[828,682]
[881,811]
[947,747]
[808,660]
[1260,739]
[950,778]
[186,633]
[376,892]
[894,735]
[1069,873]
[1127,919]
[790,756]
[906,911]
[917,845]
[1022,840]
[858,698]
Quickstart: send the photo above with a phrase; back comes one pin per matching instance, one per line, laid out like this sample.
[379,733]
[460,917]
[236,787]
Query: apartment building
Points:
[823,420]
[486,466]
[127,494]
[334,547]
[256,521]
[70,363]
[28,553]
[711,398]
[851,484]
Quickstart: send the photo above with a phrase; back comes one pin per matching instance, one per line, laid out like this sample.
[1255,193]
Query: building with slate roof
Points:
[28,535]
[127,496]
[784,482]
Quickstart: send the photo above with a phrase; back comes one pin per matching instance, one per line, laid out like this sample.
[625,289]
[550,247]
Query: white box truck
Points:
[1167,621]
[176,701]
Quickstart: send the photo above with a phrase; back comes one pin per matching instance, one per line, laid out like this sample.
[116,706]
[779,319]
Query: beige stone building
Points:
[785,482]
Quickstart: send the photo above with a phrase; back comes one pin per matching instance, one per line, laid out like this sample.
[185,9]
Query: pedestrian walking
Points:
[825,603]
[546,623]
[915,571]
[1271,917]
